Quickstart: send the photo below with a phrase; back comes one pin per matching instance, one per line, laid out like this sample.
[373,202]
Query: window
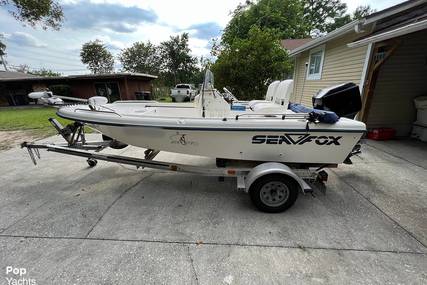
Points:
[315,65]
[108,89]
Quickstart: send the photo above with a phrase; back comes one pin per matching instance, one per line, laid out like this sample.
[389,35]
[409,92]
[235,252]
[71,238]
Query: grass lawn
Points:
[34,120]
[165,99]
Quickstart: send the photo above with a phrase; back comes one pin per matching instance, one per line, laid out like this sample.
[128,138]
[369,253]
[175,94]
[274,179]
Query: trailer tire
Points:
[274,193]
[91,162]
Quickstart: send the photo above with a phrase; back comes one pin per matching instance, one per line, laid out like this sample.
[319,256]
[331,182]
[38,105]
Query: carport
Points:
[396,73]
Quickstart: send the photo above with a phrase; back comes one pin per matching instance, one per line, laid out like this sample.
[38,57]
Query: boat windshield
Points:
[208,84]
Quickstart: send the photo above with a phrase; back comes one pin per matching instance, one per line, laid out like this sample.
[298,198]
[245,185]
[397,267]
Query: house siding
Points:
[341,64]
[401,78]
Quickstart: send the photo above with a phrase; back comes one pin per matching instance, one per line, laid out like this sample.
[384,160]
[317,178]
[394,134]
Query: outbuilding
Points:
[14,86]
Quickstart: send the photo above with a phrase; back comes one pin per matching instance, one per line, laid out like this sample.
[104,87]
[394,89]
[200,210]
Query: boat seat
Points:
[268,107]
[269,96]
[280,100]
[284,92]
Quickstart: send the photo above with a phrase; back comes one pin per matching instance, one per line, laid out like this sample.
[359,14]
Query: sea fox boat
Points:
[274,148]
[211,126]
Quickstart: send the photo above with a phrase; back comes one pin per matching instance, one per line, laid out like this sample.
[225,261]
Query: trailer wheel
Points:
[92,162]
[274,193]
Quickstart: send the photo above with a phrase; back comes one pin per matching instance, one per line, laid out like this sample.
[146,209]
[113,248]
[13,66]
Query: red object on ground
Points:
[381,134]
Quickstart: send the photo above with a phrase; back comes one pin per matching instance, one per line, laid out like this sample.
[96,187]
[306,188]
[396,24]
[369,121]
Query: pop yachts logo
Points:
[296,139]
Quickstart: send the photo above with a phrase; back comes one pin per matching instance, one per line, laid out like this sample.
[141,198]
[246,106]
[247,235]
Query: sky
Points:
[119,24]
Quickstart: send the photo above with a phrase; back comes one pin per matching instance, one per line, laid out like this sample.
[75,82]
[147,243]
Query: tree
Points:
[248,65]
[362,12]
[359,13]
[47,13]
[96,56]
[284,17]
[141,57]
[24,68]
[2,52]
[44,72]
[2,47]
[177,63]
[289,19]
[323,14]
[199,73]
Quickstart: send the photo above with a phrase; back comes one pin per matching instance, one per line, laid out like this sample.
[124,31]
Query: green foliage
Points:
[289,19]
[249,55]
[362,12]
[160,91]
[2,46]
[178,65]
[141,57]
[44,72]
[2,52]
[359,13]
[47,13]
[199,73]
[96,56]
[283,17]
[322,14]
[248,65]
[171,60]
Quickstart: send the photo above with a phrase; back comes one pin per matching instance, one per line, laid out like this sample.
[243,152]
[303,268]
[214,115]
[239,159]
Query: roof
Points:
[358,25]
[14,75]
[291,44]
[394,31]
[30,77]
[321,40]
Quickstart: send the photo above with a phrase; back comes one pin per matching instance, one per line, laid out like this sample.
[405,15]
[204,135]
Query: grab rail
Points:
[282,116]
[108,112]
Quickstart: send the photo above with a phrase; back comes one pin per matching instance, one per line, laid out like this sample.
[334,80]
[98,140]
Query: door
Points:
[108,89]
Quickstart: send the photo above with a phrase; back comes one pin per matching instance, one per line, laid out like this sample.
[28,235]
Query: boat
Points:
[273,147]
[213,126]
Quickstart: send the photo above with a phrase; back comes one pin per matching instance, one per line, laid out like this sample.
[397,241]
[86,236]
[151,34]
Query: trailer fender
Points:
[273,168]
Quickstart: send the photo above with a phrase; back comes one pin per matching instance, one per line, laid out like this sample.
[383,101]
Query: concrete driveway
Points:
[66,223]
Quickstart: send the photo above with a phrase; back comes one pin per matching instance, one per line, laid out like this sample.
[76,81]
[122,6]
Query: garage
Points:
[394,99]
[385,55]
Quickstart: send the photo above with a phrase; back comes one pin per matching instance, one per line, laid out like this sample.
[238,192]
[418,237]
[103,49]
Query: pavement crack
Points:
[379,209]
[41,205]
[23,218]
[192,265]
[206,243]
[396,156]
[114,202]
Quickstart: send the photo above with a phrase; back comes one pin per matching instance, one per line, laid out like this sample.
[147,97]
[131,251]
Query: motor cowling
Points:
[343,99]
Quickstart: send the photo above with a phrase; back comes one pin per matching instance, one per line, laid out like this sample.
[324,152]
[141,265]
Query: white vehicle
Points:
[183,92]
[278,143]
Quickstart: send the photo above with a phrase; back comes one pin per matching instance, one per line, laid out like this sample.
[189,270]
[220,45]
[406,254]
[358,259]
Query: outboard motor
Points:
[343,99]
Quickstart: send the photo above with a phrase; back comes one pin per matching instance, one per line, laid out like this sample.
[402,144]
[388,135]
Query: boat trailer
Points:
[273,186]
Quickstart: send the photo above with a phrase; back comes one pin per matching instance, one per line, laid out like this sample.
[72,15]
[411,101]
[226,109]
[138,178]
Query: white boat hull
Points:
[242,135]
[282,146]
